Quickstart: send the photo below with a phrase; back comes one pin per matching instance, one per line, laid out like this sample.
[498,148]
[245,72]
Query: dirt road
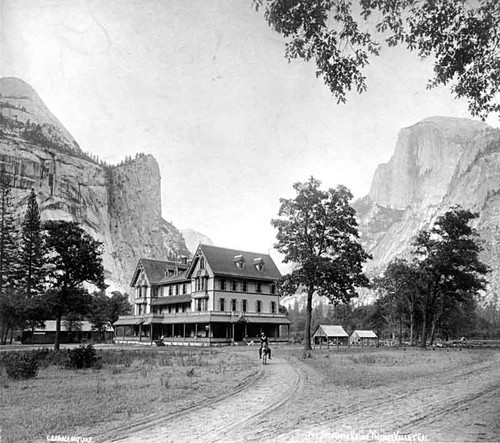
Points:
[234,417]
[460,405]
[285,402]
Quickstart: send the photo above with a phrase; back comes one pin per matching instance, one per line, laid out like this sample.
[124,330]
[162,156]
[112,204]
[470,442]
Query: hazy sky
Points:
[204,87]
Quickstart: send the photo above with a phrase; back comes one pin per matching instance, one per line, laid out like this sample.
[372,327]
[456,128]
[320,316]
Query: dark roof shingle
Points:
[154,269]
[222,262]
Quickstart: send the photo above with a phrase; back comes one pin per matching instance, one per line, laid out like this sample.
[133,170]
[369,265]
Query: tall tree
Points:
[74,258]
[450,266]
[8,236]
[461,38]
[32,272]
[400,285]
[317,231]
[106,310]
[118,305]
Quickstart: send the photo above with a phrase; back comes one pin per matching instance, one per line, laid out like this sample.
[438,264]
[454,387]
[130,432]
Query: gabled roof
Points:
[365,334]
[223,261]
[154,270]
[330,331]
[181,277]
[76,326]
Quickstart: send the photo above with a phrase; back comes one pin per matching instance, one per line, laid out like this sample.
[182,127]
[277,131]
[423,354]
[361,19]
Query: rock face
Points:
[438,163]
[194,238]
[118,205]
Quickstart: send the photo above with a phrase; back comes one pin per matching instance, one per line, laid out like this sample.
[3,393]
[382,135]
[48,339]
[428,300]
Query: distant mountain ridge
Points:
[194,238]
[118,205]
[438,163]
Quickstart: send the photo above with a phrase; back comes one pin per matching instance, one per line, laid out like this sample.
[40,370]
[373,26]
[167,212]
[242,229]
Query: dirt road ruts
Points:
[457,405]
[234,418]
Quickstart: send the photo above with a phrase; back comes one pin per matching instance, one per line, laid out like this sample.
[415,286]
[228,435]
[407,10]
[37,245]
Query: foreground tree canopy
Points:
[460,36]
[317,232]
[74,258]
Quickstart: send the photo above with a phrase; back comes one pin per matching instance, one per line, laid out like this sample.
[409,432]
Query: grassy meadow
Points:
[363,368]
[131,383]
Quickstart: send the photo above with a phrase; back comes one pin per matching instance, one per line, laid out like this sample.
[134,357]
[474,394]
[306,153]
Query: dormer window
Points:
[239,261]
[259,264]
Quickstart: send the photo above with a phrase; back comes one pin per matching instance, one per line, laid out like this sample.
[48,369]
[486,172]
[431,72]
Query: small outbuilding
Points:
[329,334]
[363,338]
[71,332]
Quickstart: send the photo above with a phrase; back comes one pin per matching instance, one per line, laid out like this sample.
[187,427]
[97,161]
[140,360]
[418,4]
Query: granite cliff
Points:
[119,205]
[438,163]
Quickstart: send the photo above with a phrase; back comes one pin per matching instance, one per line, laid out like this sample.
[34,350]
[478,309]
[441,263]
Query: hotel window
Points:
[233,305]
[244,289]
[201,305]
[170,291]
[244,305]
[259,287]
[273,307]
[222,304]
[202,262]
[222,284]
[235,285]
[258,306]
[200,284]
[184,288]
[273,289]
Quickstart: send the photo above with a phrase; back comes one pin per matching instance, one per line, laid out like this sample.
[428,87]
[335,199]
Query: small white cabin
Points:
[362,338]
[329,334]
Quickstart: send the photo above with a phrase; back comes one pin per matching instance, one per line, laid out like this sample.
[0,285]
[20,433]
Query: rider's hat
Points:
[262,333]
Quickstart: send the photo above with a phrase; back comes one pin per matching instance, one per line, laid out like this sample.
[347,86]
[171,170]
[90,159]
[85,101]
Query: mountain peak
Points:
[452,126]
[22,110]
[16,87]
[438,163]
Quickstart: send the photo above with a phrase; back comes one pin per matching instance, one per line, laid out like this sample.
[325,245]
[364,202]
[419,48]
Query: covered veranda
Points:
[200,328]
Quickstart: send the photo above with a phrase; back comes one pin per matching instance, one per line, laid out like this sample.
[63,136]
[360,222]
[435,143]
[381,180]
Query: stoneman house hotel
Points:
[221,297]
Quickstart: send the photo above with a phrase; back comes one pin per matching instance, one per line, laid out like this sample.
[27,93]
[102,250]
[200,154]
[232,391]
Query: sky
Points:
[205,88]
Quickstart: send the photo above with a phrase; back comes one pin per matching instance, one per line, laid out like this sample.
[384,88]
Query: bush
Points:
[47,357]
[21,365]
[83,357]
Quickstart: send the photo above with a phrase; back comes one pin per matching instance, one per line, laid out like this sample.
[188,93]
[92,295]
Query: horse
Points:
[264,351]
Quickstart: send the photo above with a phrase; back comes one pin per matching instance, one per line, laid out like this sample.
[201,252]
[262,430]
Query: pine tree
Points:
[31,271]
[8,236]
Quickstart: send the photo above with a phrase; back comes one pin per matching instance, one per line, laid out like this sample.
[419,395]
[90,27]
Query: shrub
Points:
[21,365]
[83,357]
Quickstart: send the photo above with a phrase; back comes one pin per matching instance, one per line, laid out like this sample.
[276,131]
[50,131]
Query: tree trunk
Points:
[2,335]
[400,330]
[58,333]
[412,328]
[307,330]
[436,319]
[423,342]
[433,330]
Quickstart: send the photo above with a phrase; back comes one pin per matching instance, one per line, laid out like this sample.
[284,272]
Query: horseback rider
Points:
[264,342]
